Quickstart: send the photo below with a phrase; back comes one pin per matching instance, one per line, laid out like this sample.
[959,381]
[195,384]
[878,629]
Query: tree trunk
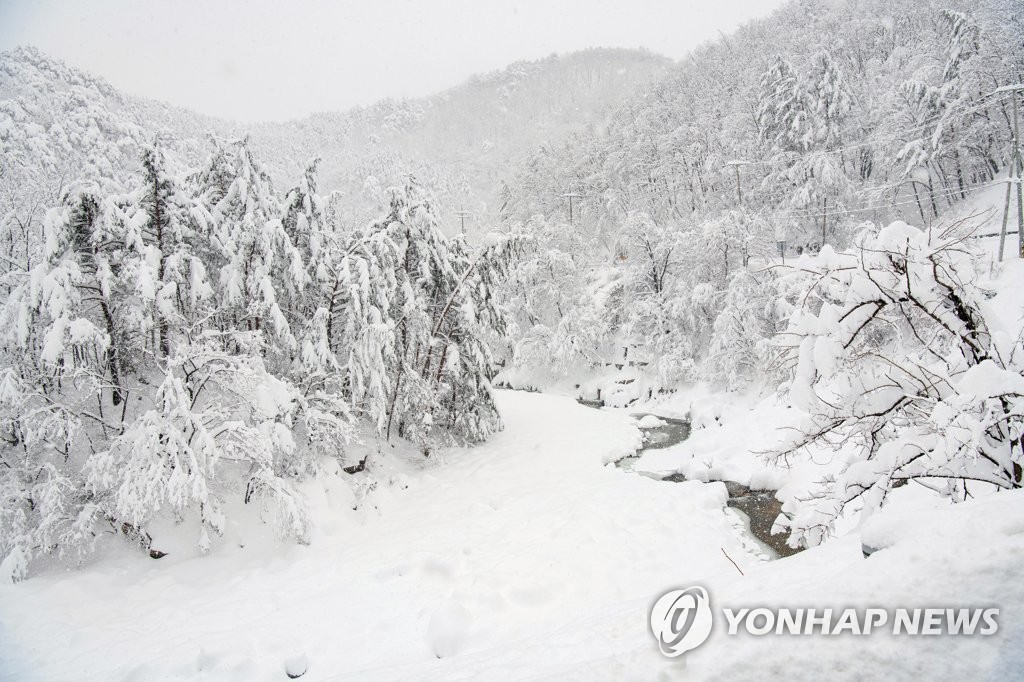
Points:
[112,356]
[931,194]
[163,328]
[824,221]
[917,198]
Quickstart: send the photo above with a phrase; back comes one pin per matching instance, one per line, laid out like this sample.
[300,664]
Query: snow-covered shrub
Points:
[739,352]
[661,293]
[557,306]
[219,426]
[900,374]
[45,506]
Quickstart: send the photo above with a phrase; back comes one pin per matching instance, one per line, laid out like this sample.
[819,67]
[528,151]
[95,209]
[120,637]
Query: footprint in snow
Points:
[448,629]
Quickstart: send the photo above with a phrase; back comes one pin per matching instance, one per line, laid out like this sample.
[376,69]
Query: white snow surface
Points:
[529,532]
[529,557]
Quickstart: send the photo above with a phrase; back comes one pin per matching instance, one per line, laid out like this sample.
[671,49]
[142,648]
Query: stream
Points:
[755,510]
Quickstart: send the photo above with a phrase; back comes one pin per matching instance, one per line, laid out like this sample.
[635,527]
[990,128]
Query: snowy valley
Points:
[458,387]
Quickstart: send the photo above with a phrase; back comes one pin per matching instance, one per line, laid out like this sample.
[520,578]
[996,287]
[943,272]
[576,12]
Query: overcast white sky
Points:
[273,60]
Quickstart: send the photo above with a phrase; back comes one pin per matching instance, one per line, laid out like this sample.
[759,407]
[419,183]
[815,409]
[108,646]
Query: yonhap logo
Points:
[681,620]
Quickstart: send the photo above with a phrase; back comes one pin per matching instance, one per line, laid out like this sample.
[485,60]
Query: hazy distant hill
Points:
[463,141]
[477,128]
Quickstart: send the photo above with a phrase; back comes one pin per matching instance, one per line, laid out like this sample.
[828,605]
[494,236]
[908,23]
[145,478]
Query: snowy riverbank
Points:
[529,557]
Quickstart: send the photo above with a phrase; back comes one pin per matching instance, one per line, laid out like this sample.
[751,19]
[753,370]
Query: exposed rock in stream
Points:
[670,432]
[761,508]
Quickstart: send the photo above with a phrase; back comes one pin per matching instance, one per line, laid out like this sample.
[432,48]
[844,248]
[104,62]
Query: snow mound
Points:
[650,422]
[296,666]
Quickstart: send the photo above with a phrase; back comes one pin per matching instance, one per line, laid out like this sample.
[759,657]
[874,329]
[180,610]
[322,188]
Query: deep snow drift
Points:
[528,557]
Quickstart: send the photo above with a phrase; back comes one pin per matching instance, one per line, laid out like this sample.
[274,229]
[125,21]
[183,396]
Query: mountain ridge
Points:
[461,140]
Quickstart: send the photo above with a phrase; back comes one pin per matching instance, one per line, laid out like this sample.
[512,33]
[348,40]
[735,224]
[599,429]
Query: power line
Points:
[894,204]
[940,195]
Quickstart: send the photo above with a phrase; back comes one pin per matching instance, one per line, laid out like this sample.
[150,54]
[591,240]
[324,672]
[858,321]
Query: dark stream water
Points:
[759,508]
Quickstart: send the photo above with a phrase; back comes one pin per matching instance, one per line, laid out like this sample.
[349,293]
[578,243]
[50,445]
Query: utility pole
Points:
[1017,166]
[570,196]
[462,214]
[736,163]
[1006,206]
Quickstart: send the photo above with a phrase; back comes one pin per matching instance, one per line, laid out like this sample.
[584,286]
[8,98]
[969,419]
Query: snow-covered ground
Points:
[527,558]
[530,533]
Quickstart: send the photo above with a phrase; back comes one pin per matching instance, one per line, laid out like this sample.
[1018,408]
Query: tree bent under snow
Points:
[189,341]
[901,374]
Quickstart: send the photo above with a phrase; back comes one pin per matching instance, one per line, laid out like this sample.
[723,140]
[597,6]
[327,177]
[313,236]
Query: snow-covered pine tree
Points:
[329,301]
[306,223]
[75,286]
[260,262]
[939,141]
[304,215]
[471,317]
[825,182]
[441,367]
[782,108]
[802,117]
[163,222]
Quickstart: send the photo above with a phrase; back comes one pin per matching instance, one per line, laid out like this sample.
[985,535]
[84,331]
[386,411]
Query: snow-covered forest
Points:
[325,374]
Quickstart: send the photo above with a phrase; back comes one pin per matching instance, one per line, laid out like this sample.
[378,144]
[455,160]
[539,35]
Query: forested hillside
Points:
[803,128]
[747,225]
[238,308]
[466,140]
